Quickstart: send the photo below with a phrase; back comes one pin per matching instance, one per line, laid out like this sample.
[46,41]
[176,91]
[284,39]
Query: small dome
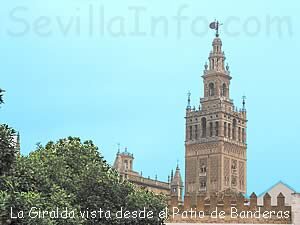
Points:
[217,41]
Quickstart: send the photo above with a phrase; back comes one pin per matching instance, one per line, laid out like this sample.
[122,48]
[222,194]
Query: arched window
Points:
[203,124]
[211,89]
[217,129]
[126,164]
[224,90]
[196,132]
[243,135]
[203,169]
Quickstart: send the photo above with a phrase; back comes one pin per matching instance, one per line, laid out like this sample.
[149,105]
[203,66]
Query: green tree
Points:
[73,174]
[7,148]
[7,145]
[1,96]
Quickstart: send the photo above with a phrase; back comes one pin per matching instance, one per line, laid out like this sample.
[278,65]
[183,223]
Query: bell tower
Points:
[215,142]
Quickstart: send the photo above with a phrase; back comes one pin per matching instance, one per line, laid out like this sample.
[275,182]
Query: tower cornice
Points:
[213,73]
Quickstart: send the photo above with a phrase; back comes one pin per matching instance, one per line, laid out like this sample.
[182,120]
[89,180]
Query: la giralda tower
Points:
[215,142]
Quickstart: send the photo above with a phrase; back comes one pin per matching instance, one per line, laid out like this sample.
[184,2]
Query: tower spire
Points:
[176,187]
[217,56]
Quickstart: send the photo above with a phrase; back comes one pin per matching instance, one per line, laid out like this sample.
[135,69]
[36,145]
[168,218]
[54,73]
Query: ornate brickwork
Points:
[226,172]
[242,173]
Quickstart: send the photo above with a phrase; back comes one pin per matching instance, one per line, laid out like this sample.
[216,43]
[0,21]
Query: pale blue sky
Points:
[109,85]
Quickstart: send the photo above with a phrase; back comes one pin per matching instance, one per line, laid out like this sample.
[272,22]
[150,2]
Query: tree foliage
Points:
[7,148]
[1,96]
[71,174]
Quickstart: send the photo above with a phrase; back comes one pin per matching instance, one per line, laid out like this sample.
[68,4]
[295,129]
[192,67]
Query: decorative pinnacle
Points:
[244,103]
[118,147]
[189,101]
[227,67]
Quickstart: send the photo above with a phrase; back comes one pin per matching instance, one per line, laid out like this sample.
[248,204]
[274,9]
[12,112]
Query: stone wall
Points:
[230,207]
[296,208]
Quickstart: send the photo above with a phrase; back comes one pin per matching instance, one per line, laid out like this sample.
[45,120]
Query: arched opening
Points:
[203,124]
[243,135]
[224,90]
[191,132]
[126,165]
[203,169]
[211,89]
[217,129]
[130,165]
